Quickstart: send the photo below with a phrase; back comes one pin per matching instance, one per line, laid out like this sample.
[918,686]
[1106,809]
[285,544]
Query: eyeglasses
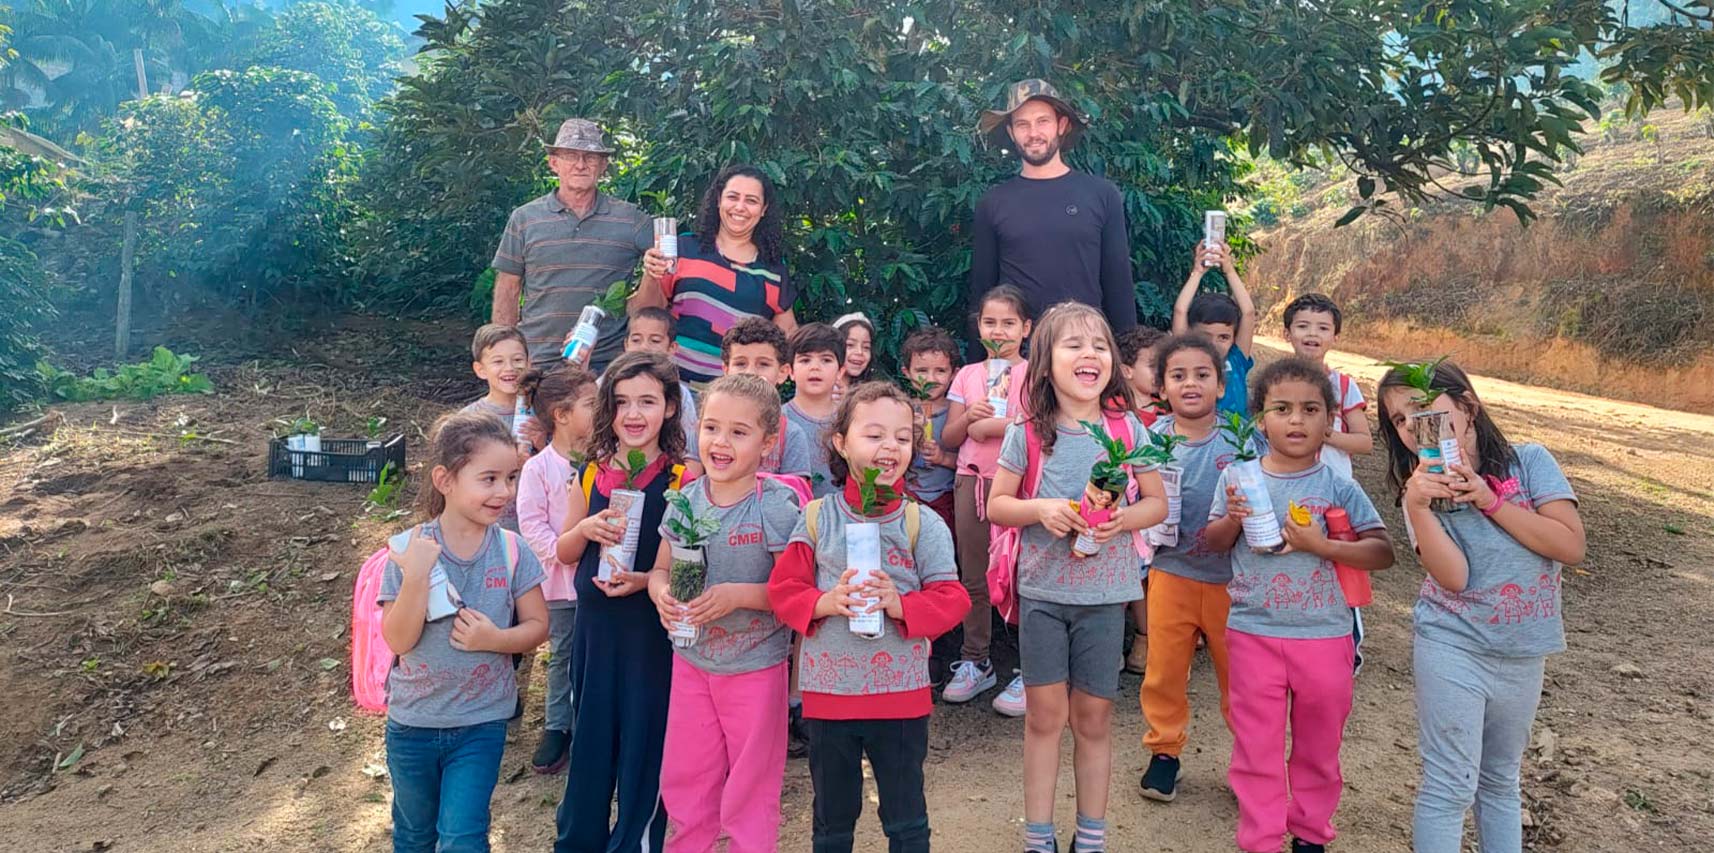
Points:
[581,157]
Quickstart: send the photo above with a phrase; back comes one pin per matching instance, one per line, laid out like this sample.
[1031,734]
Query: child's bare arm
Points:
[1246,338]
[1187,293]
[1359,441]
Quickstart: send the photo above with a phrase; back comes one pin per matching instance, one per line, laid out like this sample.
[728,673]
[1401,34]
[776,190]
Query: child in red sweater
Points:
[868,695]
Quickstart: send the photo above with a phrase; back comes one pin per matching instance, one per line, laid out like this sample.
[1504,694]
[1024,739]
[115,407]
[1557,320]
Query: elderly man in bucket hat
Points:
[1055,234]
[561,251]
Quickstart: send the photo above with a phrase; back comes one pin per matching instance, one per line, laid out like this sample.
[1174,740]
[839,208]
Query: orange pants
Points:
[1179,608]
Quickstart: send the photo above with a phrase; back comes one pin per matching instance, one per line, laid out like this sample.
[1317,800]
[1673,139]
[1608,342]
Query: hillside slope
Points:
[1610,292]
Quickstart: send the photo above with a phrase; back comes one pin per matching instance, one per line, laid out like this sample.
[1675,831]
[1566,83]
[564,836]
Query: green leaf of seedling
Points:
[635,462]
[1420,376]
[1240,432]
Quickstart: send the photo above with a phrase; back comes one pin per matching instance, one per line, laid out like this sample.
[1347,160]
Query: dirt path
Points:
[247,740]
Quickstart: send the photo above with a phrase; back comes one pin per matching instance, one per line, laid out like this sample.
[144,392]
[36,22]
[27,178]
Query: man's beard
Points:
[1045,158]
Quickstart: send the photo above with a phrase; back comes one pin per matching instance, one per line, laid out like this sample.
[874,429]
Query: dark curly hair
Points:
[769,235]
[604,444]
[1291,370]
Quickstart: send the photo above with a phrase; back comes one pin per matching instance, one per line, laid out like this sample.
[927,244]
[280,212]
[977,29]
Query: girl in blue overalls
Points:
[621,660]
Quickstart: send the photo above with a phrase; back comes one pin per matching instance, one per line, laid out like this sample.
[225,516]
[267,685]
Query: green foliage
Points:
[691,530]
[873,495]
[1110,473]
[386,491]
[1240,432]
[22,290]
[613,301]
[345,45]
[1420,376]
[634,464]
[163,373]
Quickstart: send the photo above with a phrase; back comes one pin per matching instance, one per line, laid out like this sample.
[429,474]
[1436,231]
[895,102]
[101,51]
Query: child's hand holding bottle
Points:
[1059,517]
[421,553]
[473,631]
[1425,485]
[606,527]
[670,609]
[885,594]
[839,600]
[1236,506]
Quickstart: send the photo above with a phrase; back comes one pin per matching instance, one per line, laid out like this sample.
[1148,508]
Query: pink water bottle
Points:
[1353,582]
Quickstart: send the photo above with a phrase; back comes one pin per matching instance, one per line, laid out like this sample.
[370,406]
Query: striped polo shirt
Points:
[566,262]
[710,294]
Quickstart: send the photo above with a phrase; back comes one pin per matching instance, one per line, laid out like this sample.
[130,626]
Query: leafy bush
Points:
[22,289]
[163,373]
[345,45]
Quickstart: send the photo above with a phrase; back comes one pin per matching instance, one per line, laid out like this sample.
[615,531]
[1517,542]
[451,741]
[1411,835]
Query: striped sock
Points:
[1091,835]
[1038,838]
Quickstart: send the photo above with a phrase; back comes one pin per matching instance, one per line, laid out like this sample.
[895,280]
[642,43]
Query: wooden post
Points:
[128,255]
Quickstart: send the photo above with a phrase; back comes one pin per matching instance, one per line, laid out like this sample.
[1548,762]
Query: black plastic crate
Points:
[340,460]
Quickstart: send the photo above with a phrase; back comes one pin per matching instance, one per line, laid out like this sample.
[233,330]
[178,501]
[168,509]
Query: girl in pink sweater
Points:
[564,403]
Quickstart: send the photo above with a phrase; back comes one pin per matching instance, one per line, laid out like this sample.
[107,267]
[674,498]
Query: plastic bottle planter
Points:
[309,446]
[623,556]
[1354,583]
[689,574]
[1165,534]
[521,415]
[1438,446]
[666,240]
[863,553]
[1213,230]
[999,383]
[1262,527]
[584,335]
[1096,508]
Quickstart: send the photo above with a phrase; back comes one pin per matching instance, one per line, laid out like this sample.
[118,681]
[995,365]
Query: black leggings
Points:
[896,749]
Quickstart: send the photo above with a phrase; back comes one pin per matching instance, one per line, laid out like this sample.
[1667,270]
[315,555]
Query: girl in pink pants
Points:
[1288,636]
[725,751]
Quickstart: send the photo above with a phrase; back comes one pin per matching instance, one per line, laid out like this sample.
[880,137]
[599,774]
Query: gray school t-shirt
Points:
[820,478]
[752,532]
[1202,462]
[437,686]
[1047,571]
[835,661]
[509,516]
[1511,605]
[793,455]
[1295,595]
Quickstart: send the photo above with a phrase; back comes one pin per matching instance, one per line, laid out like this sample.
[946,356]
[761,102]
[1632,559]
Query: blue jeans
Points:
[442,782]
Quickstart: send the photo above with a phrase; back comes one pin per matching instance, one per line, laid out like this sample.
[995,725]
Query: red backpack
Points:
[1005,543]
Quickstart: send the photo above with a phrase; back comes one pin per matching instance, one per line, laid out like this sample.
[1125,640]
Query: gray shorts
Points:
[1083,644]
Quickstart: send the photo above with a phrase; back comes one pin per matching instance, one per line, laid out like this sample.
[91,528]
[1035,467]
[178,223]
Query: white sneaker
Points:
[969,679]
[1010,702]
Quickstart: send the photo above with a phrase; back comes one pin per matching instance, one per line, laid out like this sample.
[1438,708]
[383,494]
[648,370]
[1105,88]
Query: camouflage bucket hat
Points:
[992,126]
[579,134]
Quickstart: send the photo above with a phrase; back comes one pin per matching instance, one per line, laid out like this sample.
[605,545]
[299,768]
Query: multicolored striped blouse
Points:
[709,294]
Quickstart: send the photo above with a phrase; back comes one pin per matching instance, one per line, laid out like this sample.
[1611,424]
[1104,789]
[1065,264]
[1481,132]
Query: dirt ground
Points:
[173,639]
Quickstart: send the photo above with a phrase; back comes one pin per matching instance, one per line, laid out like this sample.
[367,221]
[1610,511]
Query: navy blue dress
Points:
[621,674]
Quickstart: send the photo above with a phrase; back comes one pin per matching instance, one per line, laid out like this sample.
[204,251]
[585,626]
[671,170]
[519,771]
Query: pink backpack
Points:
[371,659]
[798,485]
[1005,543]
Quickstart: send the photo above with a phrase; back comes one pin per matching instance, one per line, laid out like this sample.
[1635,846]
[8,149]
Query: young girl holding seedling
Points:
[1289,633]
[726,726]
[974,427]
[1187,580]
[621,661]
[456,604]
[868,695]
[1489,612]
[564,402]
[859,335]
[1071,609]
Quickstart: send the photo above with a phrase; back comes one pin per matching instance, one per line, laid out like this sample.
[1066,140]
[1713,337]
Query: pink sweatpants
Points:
[725,759]
[1311,681]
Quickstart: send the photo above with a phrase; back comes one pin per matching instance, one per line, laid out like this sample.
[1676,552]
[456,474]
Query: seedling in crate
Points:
[1261,527]
[373,427]
[689,540]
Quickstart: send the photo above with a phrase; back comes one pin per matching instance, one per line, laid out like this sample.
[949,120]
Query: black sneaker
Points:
[553,753]
[1160,781]
[1298,845]
[797,744]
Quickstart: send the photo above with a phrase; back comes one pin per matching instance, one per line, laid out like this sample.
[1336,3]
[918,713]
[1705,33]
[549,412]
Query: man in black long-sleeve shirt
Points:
[1054,233]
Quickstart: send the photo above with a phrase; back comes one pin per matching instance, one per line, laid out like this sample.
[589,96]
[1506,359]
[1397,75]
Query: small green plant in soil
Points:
[1240,432]
[1420,376]
[373,427]
[613,301]
[164,373]
[386,490]
[691,531]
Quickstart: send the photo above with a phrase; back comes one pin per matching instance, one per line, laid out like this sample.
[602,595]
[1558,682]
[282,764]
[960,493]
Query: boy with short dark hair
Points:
[656,330]
[1137,364]
[757,347]
[930,357]
[818,355]
[1229,321]
[1312,325]
[499,357]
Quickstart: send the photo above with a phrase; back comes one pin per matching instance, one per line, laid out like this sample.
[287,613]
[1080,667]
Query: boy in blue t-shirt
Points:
[1229,321]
